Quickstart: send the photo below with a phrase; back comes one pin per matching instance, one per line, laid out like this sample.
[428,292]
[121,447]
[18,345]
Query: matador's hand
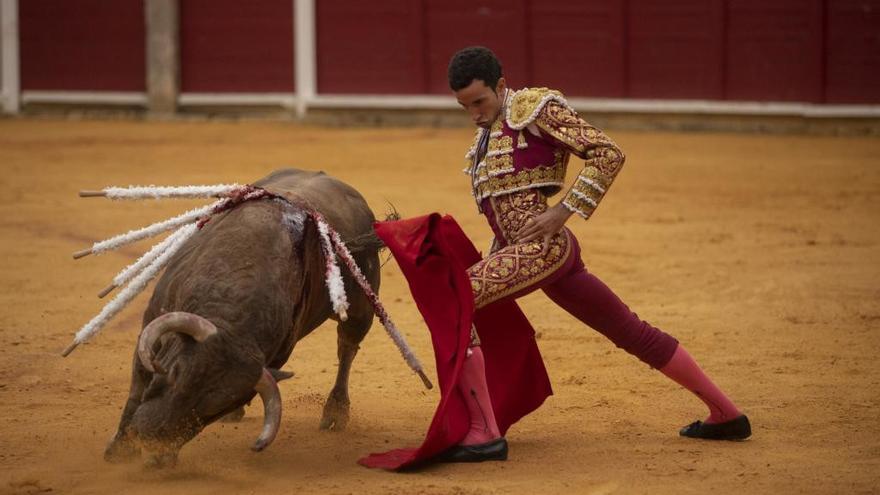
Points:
[544,226]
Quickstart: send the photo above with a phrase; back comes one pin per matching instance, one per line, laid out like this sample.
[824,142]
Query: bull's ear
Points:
[279,375]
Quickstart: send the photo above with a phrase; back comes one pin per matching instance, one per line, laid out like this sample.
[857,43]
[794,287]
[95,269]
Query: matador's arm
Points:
[603,159]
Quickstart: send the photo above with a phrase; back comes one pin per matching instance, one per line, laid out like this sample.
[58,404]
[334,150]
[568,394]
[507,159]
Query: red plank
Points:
[236,46]
[774,50]
[497,24]
[676,49]
[853,51]
[87,45]
[577,47]
[370,47]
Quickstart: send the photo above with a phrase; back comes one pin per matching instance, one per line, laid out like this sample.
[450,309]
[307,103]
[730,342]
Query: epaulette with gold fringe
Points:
[527,103]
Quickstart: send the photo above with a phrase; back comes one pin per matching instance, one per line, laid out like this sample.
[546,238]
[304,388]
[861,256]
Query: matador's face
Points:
[483,103]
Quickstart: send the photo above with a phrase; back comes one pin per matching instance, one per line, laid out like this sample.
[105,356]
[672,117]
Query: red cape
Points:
[433,254]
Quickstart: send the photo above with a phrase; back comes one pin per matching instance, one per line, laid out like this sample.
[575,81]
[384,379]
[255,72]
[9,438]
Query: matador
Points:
[518,161]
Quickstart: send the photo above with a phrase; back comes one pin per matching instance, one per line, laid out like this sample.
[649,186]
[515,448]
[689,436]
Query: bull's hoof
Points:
[121,451]
[234,417]
[161,460]
[335,416]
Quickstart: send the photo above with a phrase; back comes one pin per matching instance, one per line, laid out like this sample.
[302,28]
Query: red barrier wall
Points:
[853,51]
[454,24]
[741,50]
[774,50]
[578,47]
[370,47]
[675,49]
[236,46]
[82,45]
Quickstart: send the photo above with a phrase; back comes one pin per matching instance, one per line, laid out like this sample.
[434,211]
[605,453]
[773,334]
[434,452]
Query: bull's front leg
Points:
[350,333]
[122,447]
[336,409]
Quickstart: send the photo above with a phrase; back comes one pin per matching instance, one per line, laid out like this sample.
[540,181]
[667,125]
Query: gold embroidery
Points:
[578,205]
[496,175]
[526,103]
[592,173]
[501,143]
[552,178]
[499,164]
[560,158]
[516,267]
[521,142]
[473,149]
[603,159]
[584,191]
[514,209]
[581,138]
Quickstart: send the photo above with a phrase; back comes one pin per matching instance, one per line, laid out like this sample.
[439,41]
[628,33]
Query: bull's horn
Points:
[268,390]
[193,325]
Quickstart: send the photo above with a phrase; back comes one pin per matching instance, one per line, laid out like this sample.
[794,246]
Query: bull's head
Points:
[193,384]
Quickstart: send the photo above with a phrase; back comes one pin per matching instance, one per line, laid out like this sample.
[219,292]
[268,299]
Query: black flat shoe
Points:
[735,429]
[496,450]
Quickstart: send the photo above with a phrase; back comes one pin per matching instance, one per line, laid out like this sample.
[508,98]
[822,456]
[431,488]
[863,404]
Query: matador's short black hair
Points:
[473,62]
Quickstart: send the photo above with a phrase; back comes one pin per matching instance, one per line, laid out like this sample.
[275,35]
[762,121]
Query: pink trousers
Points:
[512,270]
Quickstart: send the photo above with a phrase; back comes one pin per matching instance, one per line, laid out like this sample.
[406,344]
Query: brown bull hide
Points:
[256,273]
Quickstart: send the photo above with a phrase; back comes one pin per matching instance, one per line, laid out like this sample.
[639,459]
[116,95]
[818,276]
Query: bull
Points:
[229,309]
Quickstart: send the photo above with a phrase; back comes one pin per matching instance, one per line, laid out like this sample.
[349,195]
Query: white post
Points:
[305,72]
[10,84]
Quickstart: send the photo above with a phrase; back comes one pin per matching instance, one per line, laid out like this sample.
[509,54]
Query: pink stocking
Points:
[472,385]
[686,372]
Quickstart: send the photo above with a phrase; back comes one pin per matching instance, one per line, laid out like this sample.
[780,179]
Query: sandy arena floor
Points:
[759,253]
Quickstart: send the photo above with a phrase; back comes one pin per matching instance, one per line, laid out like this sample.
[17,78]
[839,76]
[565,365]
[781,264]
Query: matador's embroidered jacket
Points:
[529,145]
